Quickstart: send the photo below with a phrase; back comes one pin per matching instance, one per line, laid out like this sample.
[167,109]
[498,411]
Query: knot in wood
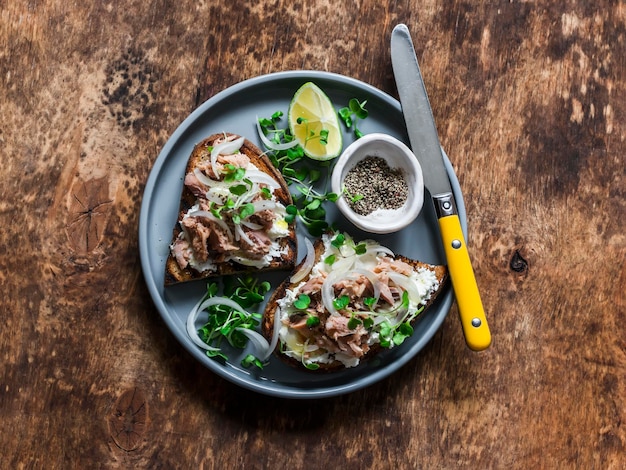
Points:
[518,263]
[128,419]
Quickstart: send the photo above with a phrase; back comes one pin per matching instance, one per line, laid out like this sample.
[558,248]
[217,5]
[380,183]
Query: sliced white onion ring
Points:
[240,234]
[192,331]
[222,301]
[213,162]
[371,276]
[210,182]
[307,265]
[271,145]
[406,284]
[258,176]
[263,205]
[275,335]
[328,292]
[213,197]
[247,196]
[258,341]
[380,249]
[257,263]
[251,225]
[344,263]
[227,147]
[211,217]
[263,348]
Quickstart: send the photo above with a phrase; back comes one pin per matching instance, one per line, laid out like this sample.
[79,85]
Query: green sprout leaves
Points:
[302,303]
[311,135]
[342,302]
[233,173]
[223,322]
[352,113]
[308,203]
[308,206]
[340,240]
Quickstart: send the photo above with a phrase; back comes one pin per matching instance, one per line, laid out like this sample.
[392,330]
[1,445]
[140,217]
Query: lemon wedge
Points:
[314,123]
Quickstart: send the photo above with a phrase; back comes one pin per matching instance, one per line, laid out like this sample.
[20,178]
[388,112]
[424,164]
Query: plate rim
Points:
[263,387]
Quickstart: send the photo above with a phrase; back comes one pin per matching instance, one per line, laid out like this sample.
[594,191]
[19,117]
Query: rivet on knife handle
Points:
[469,304]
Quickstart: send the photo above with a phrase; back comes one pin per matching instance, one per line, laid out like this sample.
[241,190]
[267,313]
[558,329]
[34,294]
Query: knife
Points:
[426,146]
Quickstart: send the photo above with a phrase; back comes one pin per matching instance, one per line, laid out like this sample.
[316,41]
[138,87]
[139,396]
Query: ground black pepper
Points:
[377,184]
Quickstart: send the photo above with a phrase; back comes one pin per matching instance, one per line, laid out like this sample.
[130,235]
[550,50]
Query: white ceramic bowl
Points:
[397,155]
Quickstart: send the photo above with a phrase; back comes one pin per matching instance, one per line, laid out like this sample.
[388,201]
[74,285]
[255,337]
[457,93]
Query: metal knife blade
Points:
[425,144]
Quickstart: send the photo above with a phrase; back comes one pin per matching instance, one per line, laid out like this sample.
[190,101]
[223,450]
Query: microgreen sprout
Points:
[352,113]
[224,322]
[308,365]
[266,193]
[342,302]
[217,209]
[302,303]
[236,208]
[369,302]
[354,322]
[368,322]
[292,163]
[308,207]
[360,248]
[244,211]
[238,189]
[251,360]
[271,129]
[310,134]
[397,333]
[312,321]
[353,198]
[247,291]
[340,240]
[233,173]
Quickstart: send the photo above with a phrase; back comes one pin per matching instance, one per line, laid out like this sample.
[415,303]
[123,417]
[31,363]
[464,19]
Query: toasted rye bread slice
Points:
[175,274]
[440,271]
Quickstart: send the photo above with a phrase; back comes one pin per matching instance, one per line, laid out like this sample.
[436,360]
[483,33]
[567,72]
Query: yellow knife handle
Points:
[473,320]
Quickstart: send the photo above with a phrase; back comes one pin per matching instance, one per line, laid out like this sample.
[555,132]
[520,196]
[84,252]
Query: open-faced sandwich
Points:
[348,300]
[232,214]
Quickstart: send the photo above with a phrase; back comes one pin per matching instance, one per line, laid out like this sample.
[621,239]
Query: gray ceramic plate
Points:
[235,110]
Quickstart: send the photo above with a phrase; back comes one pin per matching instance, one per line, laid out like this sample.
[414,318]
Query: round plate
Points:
[236,110]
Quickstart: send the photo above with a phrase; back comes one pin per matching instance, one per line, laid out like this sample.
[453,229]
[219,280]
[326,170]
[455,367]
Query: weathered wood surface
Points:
[530,101]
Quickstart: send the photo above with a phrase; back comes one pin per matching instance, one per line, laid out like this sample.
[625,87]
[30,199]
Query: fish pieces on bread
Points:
[232,215]
[357,299]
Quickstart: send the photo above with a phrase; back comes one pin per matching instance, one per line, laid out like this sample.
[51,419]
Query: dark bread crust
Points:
[174,274]
[440,271]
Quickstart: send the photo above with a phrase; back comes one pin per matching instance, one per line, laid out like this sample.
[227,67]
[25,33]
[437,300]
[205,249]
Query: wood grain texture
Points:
[530,102]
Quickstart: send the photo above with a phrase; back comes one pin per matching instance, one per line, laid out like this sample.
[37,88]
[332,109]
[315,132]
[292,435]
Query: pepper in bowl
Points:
[380,182]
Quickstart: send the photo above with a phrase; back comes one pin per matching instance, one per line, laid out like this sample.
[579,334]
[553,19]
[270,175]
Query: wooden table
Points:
[530,102]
